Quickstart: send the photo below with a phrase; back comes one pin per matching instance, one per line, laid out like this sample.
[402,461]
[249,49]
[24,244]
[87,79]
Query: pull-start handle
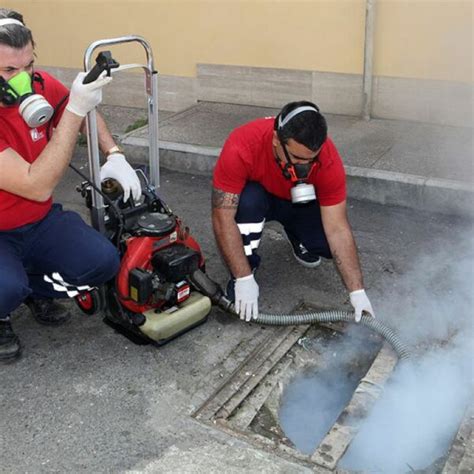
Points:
[104,62]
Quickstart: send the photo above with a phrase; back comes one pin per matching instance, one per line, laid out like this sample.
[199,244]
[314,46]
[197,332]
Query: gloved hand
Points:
[85,97]
[118,168]
[246,297]
[361,303]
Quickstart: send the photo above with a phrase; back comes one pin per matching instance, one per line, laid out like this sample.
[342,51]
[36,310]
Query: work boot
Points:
[48,311]
[10,348]
[302,255]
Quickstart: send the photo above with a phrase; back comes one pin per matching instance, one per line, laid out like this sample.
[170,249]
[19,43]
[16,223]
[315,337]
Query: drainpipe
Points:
[368,58]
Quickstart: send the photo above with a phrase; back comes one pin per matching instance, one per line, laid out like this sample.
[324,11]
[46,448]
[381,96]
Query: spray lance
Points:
[214,291]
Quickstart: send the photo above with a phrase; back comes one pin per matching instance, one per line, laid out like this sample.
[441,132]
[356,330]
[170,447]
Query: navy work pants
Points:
[302,222]
[53,258]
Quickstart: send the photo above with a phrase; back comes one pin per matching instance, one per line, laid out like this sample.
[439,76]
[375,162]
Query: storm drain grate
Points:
[239,406]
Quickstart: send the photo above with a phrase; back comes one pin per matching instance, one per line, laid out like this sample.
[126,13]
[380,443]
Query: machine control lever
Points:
[103,62]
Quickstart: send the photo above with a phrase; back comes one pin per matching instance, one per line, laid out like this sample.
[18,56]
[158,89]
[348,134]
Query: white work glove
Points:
[118,168]
[246,297]
[85,97]
[361,304]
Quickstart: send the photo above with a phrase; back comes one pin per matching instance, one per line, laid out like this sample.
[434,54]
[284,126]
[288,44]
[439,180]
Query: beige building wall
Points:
[267,52]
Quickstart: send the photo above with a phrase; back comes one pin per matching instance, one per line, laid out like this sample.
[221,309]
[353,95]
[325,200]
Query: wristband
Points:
[114,149]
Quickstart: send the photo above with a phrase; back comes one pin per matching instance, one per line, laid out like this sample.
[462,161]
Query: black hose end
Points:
[226,304]
[208,287]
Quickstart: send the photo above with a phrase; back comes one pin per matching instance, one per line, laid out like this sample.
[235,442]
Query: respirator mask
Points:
[298,173]
[301,192]
[34,108]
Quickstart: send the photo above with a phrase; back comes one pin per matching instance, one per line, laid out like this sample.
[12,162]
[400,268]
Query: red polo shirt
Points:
[247,155]
[16,211]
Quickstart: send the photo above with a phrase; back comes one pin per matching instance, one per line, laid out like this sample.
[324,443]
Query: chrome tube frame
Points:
[151,86]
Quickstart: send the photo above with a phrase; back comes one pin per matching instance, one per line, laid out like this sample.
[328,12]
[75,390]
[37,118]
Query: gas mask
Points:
[34,108]
[301,192]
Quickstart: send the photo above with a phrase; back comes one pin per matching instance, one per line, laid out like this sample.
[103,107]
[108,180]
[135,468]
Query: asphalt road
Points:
[85,399]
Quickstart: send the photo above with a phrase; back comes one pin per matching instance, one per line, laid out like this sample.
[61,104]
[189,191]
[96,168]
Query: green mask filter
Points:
[34,108]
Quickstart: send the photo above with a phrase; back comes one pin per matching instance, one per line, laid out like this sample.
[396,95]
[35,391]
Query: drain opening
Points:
[326,369]
[312,403]
[249,404]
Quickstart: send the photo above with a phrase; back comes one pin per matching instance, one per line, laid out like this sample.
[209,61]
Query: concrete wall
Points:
[268,52]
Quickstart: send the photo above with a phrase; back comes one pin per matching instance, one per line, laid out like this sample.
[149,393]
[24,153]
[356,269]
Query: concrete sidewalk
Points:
[416,165]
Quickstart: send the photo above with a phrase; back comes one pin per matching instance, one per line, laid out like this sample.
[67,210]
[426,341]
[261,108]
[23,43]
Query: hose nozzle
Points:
[211,289]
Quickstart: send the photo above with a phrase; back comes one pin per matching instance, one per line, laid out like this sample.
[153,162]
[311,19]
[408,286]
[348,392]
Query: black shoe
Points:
[48,311]
[10,348]
[302,254]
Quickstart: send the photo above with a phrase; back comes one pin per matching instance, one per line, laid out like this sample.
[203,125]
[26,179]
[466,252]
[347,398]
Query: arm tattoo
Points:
[223,200]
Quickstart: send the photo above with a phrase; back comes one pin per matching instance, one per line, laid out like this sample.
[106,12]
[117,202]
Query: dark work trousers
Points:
[53,258]
[302,222]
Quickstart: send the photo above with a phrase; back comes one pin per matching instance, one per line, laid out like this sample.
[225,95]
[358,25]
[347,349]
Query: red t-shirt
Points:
[247,155]
[16,211]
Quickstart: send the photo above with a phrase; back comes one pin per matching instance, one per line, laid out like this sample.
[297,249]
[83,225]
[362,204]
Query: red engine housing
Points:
[139,253]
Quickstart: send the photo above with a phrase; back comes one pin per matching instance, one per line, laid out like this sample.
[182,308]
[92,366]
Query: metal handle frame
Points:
[151,85]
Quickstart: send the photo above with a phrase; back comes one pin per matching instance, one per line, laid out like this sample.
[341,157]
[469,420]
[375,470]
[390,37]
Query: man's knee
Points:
[107,267]
[12,294]
[109,264]
[99,269]
[253,203]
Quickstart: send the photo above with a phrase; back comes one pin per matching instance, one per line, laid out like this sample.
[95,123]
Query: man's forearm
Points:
[106,141]
[48,169]
[344,254]
[229,240]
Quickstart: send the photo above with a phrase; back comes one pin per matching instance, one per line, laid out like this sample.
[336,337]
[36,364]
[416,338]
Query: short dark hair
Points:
[15,36]
[308,127]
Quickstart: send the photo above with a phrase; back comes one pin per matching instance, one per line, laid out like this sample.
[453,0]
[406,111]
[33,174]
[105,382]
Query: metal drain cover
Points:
[239,405]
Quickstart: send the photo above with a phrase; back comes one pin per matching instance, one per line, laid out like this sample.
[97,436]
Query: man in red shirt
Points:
[45,252]
[285,169]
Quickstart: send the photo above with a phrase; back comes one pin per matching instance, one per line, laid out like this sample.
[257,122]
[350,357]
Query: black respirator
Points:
[301,192]
[34,108]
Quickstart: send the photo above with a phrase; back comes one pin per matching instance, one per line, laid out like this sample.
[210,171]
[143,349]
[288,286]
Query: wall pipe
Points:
[368,58]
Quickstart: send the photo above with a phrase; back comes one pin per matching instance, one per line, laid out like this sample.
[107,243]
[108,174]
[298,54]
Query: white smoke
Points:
[414,422]
[434,300]
[314,398]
